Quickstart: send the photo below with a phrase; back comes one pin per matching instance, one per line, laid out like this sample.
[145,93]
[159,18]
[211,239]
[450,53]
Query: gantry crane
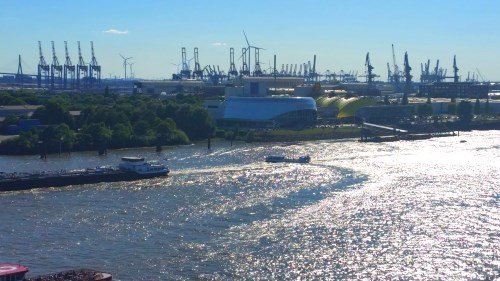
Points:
[244,66]
[232,67]
[185,71]
[82,69]
[257,70]
[94,67]
[55,69]
[197,72]
[43,68]
[68,69]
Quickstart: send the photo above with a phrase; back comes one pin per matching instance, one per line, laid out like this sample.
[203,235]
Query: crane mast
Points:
[232,67]
[69,68]
[43,68]
[82,69]
[55,68]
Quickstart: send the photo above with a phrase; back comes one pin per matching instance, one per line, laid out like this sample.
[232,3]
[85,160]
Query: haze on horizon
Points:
[338,32]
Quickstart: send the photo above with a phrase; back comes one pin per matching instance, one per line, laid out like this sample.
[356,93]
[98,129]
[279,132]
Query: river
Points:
[419,210]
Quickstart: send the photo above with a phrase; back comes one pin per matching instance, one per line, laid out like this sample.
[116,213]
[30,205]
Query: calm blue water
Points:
[403,210]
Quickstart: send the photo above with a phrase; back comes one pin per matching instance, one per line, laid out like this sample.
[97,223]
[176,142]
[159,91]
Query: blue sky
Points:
[338,32]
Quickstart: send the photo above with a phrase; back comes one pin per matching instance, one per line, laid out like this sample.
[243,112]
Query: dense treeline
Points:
[111,121]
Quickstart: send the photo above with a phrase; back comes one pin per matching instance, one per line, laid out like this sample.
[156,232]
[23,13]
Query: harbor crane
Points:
[480,75]
[69,69]
[455,69]
[232,67]
[197,72]
[185,71]
[82,68]
[257,71]
[369,71]
[407,75]
[245,71]
[43,68]
[55,68]
[396,73]
[94,67]
[389,73]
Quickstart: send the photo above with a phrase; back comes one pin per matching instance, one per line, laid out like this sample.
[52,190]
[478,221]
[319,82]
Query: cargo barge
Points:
[17,272]
[130,168]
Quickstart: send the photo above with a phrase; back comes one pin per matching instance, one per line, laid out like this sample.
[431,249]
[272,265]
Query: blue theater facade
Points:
[269,112]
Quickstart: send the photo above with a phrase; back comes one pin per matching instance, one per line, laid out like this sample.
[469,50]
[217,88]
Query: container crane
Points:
[244,66]
[94,67]
[232,67]
[43,68]
[185,71]
[55,68]
[197,72]
[69,69]
[257,71]
[82,69]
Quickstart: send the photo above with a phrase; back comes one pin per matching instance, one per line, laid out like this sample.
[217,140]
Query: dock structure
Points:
[381,127]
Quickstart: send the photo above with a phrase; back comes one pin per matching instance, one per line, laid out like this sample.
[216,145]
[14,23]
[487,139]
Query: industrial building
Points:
[454,90]
[269,112]
[168,87]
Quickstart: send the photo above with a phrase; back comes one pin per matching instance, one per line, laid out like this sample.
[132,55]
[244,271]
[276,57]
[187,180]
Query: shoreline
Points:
[285,136]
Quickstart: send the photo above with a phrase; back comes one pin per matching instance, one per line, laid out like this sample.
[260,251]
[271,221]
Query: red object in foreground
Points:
[10,271]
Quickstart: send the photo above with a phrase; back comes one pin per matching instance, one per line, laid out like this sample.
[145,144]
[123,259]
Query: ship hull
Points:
[65,180]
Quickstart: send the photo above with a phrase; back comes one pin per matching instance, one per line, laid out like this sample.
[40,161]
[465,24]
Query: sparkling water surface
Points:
[423,210]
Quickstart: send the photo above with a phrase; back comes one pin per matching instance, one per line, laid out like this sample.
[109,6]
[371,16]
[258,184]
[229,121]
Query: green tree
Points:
[121,136]
[64,136]
[100,134]
[55,111]
[141,128]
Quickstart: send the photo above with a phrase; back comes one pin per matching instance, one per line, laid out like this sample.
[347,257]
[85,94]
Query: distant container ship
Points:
[130,168]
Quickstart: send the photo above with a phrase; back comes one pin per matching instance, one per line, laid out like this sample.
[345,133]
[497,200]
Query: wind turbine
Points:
[249,49]
[131,72]
[125,64]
